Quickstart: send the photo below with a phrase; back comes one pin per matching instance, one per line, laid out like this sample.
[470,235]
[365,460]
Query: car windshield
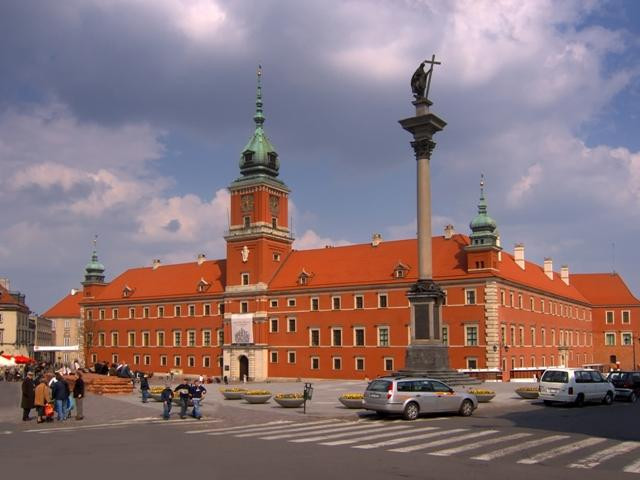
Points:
[379,386]
[618,376]
[555,376]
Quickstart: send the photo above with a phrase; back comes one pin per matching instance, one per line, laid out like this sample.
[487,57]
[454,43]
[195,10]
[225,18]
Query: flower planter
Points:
[233,394]
[289,402]
[257,398]
[351,402]
[528,394]
[484,397]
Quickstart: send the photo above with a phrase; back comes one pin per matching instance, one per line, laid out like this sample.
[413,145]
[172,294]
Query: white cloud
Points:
[524,186]
[311,239]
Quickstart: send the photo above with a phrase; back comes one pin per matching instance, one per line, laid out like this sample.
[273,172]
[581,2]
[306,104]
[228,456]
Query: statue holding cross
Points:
[421,80]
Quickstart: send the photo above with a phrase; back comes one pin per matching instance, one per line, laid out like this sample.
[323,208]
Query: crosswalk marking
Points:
[396,441]
[333,428]
[556,452]
[633,467]
[389,432]
[518,448]
[444,441]
[354,431]
[604,455]
[290,428]
[241,427]
[474,446]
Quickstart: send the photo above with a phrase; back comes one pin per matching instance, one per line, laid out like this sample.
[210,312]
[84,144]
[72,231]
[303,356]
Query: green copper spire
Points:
[259,156]
[94,270]
[484,228]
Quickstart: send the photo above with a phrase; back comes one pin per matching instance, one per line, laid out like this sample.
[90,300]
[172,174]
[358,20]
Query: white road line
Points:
[396,441]
[331,429]
[633,467]
[189,422]
[354,431]
[6,432]
[241,427]
[474,446]
[400,430]
[289,428]
[444,441]
[503,452]
[556,452]
[604,455]
[77,427]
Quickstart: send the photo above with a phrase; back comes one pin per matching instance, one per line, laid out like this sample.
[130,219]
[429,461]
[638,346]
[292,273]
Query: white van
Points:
[575,385]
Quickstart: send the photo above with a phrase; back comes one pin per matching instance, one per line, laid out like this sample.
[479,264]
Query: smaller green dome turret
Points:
[259,156]
[94,270]
[484,229]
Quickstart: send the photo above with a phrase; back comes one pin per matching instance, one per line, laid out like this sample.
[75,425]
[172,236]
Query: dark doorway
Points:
[244,367]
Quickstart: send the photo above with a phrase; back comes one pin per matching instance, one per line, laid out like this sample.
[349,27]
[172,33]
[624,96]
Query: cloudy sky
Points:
[126,118]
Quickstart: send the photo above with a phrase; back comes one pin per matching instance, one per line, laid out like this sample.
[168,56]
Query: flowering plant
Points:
[352,396]
[233,389]
[289,395]
[477,391]
[257,392]
[527,389]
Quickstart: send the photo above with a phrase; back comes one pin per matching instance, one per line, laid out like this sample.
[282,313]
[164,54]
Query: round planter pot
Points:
[485,397]
[528,395]
[232,395]
[289,402]
[156,397]
[257,398]
[351,402]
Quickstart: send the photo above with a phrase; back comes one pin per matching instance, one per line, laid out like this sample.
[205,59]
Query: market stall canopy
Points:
[6,362]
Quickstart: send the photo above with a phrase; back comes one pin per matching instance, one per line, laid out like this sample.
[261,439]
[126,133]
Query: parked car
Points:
[575,385]
[411,396]
[627,384]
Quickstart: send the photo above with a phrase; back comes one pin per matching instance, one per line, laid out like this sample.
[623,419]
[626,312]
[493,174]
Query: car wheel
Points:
[411,411]
[466,409]
[633,397]
[579,400]
[548,403]
[608,398]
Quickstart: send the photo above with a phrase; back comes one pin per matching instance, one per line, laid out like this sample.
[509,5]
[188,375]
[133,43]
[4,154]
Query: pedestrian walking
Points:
[78,395]
[166,396]
[184,389]
[28,396]
[42,398]
[60,393]
[144,388]
[197,394]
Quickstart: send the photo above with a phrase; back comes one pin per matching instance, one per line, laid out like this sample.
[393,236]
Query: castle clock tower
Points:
[259,238]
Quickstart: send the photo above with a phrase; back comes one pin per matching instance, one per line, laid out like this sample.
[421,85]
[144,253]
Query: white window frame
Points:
[273,303]
[206,311]
[206,361]
[273,356]
[355,302]
[444,334]
[336,329]
[192,310]
[626,313]
[160,312]
[355,364]
[467,327]
[192,335]
[378,337]
[131,339]
[289,354]
[177,361]
[316,360]
[384,364]
[386,300]
[244,278]
[177,338]
[291,302]
[206,343]
[311,337]
[317,304]
[622,337]
[146,359]
[244,306]
[146,335]
[466,296]
[160,333]
[177,311]
[274,321]
[164,360]
[191,361]
[468,360]
[334,360]
[295,324]
[132,312]
[611,335]
[364,336]
[333,302]
[606,317]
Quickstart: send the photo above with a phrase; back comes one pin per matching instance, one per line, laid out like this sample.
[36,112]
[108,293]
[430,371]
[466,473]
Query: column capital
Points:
[423,148]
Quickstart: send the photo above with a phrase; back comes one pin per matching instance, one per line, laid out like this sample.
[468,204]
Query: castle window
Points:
[177,311]
[207,309]
[276,257]
[609,317]
[192,310]
[445,335]
[336,337]
[274,303]
[245,279]
[358,337]
[291,302]
[273,325]
[163,360]
[244,307]
[400,270]
[315,363]
[272,157]
[248,157]
[359,363]
[315,304]
[383,300]
[335,303]
[480,264]
[160,339]
[472,363]
[274,222]
[359,301]
[471,335]
[274,357]
[388,364]
[470,296]
[114,313]
[206,338]
[132,313]
[127,291]
[160,312]
[626,316]
[291,357]
[145,312]
[246,220]
[314,337]
[337,363]
[291,325]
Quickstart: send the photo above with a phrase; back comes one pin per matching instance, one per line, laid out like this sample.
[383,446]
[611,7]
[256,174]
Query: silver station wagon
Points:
[411,396]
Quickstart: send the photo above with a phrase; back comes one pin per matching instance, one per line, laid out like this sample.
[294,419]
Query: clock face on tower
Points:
[274,204]
[246,203]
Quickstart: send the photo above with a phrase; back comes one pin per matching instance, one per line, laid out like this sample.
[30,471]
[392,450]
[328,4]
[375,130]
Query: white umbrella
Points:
[7,362]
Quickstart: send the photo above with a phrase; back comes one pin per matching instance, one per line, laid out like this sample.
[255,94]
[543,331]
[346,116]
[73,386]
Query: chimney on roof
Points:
[564,273]
[74,291]
[156,263]
[518,254]
[5,283]
[201,258]
[548,267]
[376,239]
[449,232]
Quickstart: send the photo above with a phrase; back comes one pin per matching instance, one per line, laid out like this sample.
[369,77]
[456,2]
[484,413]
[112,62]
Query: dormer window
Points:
[203,285]
[304,277]
[400,270]
[248,157]
[272,157]
[127,291]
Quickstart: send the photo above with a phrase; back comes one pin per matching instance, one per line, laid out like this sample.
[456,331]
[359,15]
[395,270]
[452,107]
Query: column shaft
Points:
[425,269]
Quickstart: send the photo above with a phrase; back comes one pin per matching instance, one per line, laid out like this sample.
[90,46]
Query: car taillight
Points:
[570,390]
[389,392]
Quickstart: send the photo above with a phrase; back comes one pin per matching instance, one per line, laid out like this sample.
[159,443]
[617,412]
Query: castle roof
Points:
[604,288]
[9,299]
[68,307]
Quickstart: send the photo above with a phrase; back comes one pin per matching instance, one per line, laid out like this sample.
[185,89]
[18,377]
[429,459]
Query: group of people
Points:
[194,392]
[53,396]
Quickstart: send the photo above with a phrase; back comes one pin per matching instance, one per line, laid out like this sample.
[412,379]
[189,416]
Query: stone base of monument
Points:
[432,361]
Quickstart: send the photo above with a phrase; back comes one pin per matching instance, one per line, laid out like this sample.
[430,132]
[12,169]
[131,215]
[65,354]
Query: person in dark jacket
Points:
[144,388]
[184,389]
[60,394]
[28,396]
[166,396]
[78,395]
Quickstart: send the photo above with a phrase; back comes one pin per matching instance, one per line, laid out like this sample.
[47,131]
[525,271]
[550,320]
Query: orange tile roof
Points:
[604,288]
[166,281]
[68,307]
[7,299]
[365,264]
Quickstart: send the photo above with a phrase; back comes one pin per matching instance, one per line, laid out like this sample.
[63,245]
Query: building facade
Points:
[17,329]
[269,311]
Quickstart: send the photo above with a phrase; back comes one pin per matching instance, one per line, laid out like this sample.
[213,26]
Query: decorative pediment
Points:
[203,285]
[304,277]
[400,270]
[127,291]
